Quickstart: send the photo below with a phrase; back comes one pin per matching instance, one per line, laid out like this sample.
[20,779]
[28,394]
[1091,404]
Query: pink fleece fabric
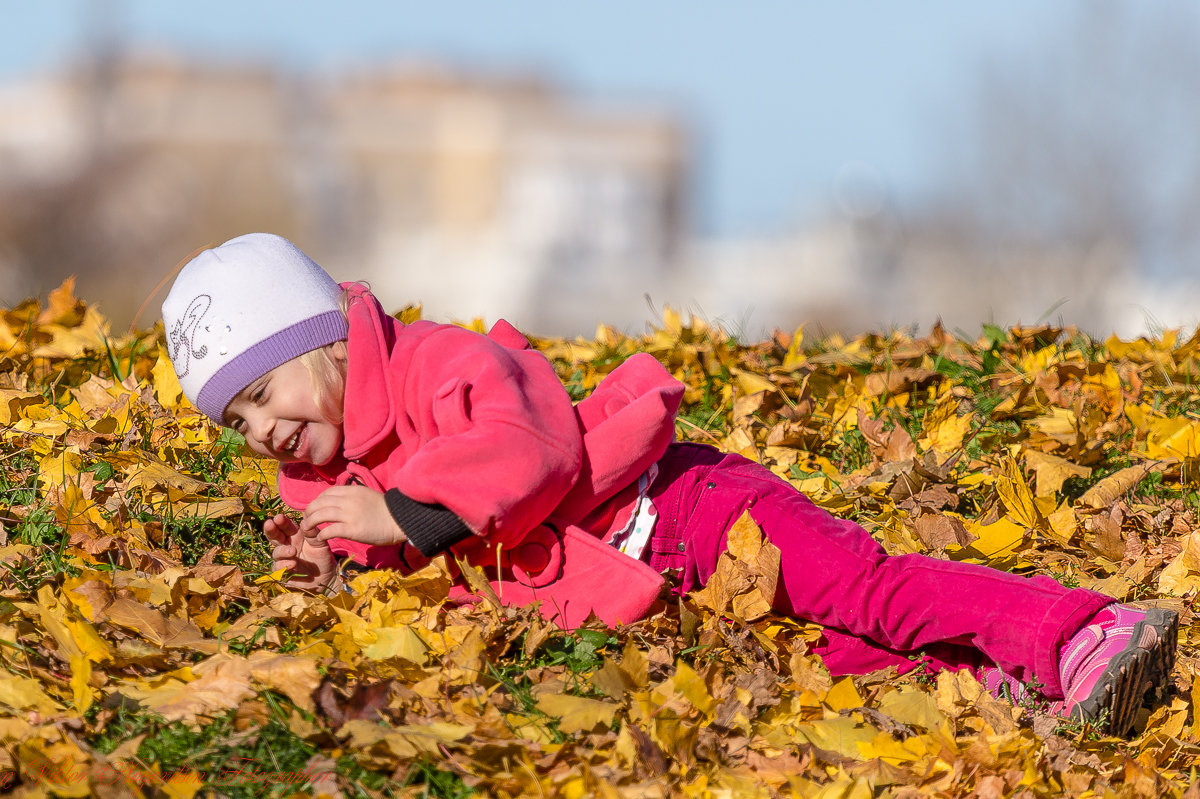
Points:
[482,426]
[878,610]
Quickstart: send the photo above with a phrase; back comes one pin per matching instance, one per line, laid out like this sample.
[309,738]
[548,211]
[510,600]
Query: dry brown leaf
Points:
[937,531]
[157,627]
[690,702]
[746,575]
[1118,484]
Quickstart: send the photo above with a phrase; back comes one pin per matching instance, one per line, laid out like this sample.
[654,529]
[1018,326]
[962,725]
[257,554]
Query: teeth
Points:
[292,442]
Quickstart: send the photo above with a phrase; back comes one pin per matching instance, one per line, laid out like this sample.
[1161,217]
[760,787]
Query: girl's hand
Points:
[312,562]
[353,512]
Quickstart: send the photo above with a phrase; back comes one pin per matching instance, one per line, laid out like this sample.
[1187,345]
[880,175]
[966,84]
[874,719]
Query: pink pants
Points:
[878,610]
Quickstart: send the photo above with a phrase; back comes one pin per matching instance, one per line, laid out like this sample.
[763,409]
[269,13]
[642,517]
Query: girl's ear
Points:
[338,351]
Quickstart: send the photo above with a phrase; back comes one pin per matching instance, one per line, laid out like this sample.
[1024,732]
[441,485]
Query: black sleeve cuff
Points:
[432,529]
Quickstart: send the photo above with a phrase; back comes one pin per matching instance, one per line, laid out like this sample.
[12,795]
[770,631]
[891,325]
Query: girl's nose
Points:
[261,427]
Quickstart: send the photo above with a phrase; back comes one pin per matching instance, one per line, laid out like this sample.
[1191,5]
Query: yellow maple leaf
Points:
[691,686]
[1062,523]
[74,637]
[841,734]
[1051,471]
[746,575]
[166,383]
[183,785]
[89,334]
[256,470]
[909,705]
[191,506]
[388,747]
[397,642]
[944,428]
[13,402]
[55,470]
[22,693]
[1172,437]
[993,542]
[60,766]
[577,713]
[1018,499]
[81,675]
[843,695]
[749,383]
[1181,577]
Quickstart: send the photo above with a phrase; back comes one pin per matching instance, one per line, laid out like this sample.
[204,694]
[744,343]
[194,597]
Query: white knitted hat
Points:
[239,310]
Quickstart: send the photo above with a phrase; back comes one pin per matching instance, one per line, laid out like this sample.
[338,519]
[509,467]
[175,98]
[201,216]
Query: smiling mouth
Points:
[293,442]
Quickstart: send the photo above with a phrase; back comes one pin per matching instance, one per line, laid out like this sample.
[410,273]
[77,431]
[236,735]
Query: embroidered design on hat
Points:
[180,343]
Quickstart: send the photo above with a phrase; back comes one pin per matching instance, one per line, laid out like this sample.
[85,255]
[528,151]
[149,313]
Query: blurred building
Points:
[471,194]
[479,195]
[854,275]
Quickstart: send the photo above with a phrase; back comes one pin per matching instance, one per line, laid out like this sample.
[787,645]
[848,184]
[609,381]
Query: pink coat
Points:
[482,426]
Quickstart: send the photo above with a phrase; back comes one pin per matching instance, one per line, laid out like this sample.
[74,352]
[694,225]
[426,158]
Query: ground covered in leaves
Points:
[146,650]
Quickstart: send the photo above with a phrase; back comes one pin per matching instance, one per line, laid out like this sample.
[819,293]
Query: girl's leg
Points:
[835,574]
[844,653]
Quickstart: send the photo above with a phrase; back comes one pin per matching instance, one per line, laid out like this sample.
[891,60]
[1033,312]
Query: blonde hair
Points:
[329,374]
[328,381]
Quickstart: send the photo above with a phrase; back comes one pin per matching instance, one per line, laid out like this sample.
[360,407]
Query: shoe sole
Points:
[1135,674]
[1166,623]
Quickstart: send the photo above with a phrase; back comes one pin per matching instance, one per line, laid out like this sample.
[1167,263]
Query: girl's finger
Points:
[284,551]
[330,531]
[313,535]
[317,516]
[279,528]
[316,543]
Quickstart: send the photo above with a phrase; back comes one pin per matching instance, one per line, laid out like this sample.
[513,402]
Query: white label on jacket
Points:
[634,539]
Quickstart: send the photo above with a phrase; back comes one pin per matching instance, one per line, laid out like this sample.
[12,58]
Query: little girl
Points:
[401,442]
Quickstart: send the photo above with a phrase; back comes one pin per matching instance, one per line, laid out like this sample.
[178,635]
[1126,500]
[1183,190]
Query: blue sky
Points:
[789,101]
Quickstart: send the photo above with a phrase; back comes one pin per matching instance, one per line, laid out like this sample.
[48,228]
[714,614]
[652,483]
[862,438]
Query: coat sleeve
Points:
[499,444]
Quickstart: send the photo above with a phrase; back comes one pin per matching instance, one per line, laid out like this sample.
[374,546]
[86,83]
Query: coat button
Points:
[682,547]
[711,485]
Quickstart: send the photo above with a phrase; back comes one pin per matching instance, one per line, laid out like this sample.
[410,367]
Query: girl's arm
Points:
[500,444]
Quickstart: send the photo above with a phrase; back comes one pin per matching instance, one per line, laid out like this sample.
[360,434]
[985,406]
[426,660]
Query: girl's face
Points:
[279,416]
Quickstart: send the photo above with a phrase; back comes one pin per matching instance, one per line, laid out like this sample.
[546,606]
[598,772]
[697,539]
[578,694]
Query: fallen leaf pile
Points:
[147,650]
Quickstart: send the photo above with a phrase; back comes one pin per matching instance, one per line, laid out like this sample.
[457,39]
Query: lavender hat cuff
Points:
[276,349]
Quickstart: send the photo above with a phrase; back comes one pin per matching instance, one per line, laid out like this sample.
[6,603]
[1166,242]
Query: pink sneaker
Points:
[1001,685]
[1110,666]
[1007,687]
